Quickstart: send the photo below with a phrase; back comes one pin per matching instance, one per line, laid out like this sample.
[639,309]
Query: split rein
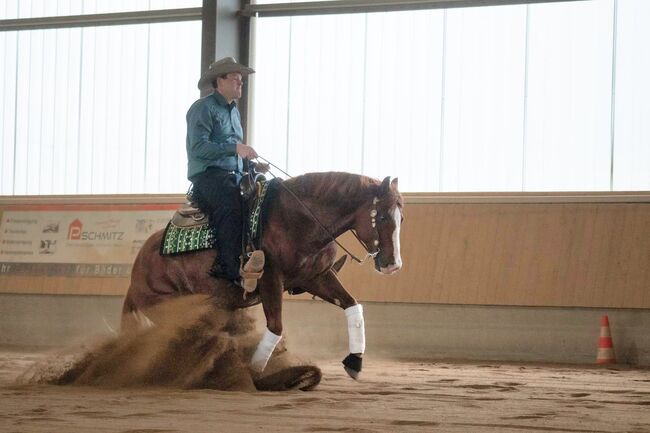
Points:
[373,215]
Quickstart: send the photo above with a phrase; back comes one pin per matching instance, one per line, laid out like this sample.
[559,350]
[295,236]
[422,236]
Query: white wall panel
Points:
[132,114]
[36,92]
[156,100]
[8,9]
[632,106]
[87,106]
[403,98]
[172,89]
[326,93]
[488,98]
[48,107]
[484,94]
[70,7]
[89,113]
[66,82]
[267,129]
[569,96]
[99,114]
[8,70]
[524,103]
[24,90]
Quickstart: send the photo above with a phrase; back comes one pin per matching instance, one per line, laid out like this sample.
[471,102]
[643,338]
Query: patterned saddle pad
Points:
[179,239]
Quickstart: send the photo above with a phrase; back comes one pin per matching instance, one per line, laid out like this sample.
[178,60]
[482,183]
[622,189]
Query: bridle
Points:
[375,242]
[371,252]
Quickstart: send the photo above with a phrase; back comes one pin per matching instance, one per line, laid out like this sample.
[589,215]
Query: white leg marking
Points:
[397,217]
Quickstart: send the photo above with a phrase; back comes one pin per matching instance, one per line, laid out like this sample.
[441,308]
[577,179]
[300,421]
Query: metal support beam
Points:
[243,39]
[365,6]
[112,19]
[225,33]
[208,33]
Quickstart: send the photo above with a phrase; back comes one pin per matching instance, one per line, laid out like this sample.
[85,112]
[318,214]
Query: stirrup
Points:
[252,270]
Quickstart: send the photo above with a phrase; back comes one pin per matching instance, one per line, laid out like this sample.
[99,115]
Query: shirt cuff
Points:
[231,148]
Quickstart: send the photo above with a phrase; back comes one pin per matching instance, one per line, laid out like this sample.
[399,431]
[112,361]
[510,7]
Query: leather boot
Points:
[252,270]
[215,270]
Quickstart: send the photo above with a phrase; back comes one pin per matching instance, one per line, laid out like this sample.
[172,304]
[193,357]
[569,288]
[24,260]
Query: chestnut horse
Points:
[303,217]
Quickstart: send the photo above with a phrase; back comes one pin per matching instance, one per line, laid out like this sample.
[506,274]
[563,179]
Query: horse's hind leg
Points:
[328,287]
[302,377]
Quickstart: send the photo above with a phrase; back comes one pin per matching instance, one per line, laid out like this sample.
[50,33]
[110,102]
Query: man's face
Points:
[230,86]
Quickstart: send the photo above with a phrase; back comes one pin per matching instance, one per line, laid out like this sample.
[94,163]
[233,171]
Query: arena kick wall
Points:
[515,276]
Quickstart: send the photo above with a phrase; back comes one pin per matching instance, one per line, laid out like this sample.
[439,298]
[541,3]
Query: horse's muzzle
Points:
[388,268]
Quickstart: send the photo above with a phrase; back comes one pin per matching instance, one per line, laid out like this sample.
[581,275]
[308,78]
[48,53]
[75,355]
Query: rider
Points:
[214,152]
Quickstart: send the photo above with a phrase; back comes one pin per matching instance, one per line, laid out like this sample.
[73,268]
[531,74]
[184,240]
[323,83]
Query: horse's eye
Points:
[383,218]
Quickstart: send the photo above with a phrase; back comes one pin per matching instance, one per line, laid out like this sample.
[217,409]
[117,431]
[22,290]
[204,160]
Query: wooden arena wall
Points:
[519,249]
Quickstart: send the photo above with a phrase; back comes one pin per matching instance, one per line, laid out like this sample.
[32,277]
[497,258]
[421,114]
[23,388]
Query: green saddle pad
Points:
[178,240]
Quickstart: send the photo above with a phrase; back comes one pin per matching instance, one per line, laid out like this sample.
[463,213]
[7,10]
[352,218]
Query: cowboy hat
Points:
[221,67]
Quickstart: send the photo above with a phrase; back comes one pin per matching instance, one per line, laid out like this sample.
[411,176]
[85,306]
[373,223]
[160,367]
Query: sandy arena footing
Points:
[391,396]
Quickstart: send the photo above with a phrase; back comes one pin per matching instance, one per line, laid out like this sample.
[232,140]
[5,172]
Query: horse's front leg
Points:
[271,295]
[328,287]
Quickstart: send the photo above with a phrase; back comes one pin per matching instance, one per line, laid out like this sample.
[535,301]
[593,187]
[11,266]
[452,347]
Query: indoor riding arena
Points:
[491,168]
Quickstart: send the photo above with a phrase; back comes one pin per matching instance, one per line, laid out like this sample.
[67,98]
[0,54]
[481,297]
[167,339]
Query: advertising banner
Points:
[73,240]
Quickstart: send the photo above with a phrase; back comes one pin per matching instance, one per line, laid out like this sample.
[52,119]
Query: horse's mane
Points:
[331,186]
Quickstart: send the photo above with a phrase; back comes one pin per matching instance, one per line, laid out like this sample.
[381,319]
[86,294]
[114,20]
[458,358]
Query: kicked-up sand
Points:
[189,374]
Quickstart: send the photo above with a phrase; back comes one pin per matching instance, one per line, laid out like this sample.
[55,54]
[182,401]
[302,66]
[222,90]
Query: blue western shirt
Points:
[213,131]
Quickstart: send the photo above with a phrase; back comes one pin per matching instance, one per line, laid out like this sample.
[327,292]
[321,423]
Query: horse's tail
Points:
[135,320]
[141,319]
[109,327]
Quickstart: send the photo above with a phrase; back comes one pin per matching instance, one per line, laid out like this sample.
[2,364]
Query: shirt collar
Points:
[222,101]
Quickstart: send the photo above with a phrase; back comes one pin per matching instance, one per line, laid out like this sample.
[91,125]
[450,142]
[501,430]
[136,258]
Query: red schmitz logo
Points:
[74,230]
[75,233]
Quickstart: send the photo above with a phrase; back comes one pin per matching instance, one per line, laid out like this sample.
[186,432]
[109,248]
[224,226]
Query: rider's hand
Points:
[246,151]
[261,167]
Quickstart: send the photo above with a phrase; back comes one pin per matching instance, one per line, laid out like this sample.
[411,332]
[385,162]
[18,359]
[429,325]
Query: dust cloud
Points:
[192,344]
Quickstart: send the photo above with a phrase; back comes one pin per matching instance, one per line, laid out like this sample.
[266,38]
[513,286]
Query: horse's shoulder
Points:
[155,239]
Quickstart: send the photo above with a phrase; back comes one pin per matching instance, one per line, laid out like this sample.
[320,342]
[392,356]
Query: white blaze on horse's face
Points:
[397,258]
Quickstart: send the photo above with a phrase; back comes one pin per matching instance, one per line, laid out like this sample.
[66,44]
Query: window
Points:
[540,97]
[96,109]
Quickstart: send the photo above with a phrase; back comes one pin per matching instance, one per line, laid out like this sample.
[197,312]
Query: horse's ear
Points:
[393,184]
[385,186]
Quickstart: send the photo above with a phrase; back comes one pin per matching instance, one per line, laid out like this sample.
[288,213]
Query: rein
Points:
[373,215]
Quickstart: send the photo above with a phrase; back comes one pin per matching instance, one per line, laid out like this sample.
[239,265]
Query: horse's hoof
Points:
[352,365]
[304,378]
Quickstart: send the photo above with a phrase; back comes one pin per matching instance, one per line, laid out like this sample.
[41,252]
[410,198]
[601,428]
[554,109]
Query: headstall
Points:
[371,252]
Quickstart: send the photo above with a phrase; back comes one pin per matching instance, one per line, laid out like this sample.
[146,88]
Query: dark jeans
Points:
[217,193]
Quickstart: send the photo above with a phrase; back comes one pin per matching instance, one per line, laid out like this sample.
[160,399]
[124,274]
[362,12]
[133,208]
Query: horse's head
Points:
[378,225]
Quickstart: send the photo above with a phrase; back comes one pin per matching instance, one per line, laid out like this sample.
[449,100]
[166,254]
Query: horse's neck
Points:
[337,218]
[333,209]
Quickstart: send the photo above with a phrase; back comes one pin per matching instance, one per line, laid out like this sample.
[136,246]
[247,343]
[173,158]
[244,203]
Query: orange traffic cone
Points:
[605,345]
